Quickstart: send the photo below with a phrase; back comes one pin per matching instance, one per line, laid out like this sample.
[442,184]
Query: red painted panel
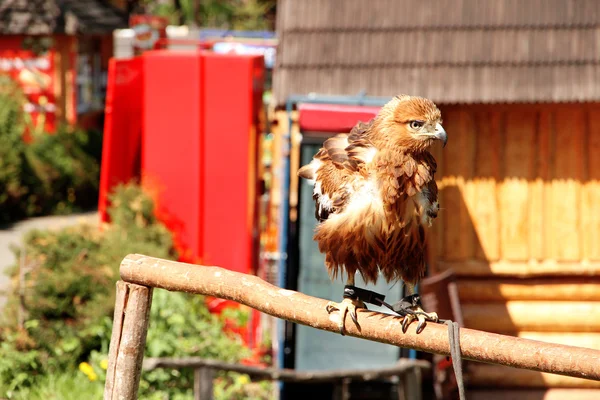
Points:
[172,144]
[122,128]
[332,117]
[232,89]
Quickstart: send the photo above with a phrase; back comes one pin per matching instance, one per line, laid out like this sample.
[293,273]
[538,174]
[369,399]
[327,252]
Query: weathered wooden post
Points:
[203,383]
[411,383]
[128,341]
[341,390]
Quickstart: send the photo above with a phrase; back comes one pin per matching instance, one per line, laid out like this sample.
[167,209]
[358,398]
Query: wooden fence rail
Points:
[141,273]
[407,373]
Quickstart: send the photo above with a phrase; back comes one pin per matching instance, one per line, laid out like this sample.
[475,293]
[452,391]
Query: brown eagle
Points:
[375,194]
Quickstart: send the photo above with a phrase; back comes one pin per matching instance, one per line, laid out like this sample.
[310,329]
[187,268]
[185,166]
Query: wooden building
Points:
[58,53]
[518,83]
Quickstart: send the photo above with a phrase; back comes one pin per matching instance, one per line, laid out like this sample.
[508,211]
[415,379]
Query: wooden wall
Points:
[64,78]
[521,185]
[520,223]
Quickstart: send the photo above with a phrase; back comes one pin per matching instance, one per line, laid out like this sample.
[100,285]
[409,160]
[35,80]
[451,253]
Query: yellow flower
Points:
[88,370]
[244,379]
[85,368]
[104,364]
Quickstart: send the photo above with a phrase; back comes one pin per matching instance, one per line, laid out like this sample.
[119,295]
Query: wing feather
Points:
[335,166]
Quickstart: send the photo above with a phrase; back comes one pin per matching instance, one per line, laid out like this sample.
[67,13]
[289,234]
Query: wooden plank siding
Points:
[519,184]
[591,190]
[520,225]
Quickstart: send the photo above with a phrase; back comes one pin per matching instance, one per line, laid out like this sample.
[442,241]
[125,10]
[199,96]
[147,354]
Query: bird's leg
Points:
[348,305]
[410,308]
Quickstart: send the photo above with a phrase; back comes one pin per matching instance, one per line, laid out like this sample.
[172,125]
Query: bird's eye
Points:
[416,124]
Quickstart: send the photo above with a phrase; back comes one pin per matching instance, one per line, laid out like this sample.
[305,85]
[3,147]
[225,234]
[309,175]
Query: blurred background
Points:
[174,128]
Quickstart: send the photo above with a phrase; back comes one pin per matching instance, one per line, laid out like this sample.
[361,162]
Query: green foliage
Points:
[234,386]
[72,385]
[68,295]
[54,174]
[66,168]
[60,351]
[182,326]
[228,14]
[12,147]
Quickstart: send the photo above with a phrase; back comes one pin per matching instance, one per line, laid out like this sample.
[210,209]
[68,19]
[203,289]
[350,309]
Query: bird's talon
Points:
[409,307]
[421,323]
[406,322]
[346,306]
[432,316]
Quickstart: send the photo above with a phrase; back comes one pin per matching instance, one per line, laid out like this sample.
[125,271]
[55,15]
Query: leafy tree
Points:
[224,14]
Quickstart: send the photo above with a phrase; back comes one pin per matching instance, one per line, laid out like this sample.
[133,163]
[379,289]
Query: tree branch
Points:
[302,309]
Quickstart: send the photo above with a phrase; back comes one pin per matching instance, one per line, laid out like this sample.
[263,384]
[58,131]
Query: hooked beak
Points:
[440,134]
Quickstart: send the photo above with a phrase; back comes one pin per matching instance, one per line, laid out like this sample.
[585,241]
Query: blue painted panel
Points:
[320,350]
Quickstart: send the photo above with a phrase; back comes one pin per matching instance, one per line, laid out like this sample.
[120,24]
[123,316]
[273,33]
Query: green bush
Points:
[54,174]
[69,300]
[66,167]
[69,288]
[12,148]
[72,385]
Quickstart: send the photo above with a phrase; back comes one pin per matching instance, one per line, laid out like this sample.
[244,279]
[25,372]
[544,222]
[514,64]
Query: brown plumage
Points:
[375,192]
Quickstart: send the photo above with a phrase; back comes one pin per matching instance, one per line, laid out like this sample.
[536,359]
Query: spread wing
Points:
[336,166]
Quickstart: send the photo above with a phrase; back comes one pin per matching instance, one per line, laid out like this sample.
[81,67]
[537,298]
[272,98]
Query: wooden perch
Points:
[306,310]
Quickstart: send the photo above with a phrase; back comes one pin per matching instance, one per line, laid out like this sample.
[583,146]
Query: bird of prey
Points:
[375,194]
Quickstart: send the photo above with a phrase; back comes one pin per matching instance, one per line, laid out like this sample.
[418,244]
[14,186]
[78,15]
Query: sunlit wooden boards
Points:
[540,289]
[534,394]
[519,183]
[486,375]
[528,269]
[520,226]
[540,316]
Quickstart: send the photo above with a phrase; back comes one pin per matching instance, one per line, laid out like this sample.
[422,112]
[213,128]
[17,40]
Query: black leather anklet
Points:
[364,295]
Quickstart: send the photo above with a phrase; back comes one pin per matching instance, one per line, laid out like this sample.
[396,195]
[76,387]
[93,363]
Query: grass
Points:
[66,386]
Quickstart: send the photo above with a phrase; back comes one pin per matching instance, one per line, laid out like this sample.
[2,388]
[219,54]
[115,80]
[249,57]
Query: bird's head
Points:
[411,122]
